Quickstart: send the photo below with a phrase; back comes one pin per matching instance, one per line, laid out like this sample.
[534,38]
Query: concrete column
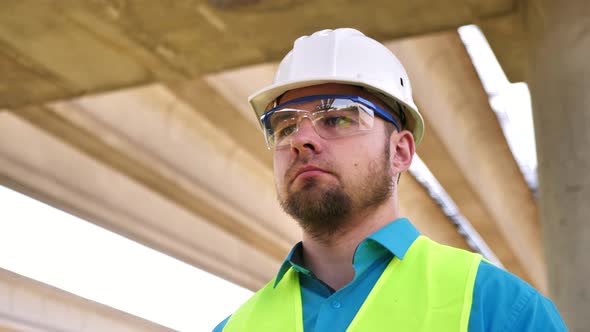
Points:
[559,80]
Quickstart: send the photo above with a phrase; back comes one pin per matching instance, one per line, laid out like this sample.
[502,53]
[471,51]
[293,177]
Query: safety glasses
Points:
[332,116]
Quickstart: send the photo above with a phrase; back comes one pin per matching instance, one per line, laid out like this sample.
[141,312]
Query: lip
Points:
[308,171]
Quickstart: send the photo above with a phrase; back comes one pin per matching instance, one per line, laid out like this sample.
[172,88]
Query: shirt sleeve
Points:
[504,302]
[220,326]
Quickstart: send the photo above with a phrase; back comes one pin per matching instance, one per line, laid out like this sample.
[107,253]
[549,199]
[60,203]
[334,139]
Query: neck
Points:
[330,257]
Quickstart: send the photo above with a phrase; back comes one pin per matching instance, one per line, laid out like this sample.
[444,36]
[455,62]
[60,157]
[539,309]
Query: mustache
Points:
[302,162]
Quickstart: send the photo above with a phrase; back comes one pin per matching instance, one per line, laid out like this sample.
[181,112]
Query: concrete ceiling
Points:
[133,115]
[52,50]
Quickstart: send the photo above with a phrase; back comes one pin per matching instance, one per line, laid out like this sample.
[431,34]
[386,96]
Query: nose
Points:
[306,139]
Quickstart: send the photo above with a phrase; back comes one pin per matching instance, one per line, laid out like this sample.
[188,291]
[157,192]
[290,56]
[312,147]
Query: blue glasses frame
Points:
[265,118]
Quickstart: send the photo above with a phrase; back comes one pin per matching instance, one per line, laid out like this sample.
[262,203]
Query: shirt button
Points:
[336,304]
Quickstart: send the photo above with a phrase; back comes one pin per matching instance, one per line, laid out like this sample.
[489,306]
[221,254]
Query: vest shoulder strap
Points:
[271,308]
[431,289]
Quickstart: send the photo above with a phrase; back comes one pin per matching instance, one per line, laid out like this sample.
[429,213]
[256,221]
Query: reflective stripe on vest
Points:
[431,289]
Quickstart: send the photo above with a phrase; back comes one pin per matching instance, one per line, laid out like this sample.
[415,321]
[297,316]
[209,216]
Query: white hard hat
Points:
[343,56]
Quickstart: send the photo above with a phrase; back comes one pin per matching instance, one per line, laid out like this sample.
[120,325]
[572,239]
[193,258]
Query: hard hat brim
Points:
[262,98]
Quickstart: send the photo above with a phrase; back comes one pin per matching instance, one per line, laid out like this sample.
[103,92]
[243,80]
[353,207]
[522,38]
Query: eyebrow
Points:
[281,116]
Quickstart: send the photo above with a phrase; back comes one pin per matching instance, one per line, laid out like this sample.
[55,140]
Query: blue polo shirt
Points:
[501,301]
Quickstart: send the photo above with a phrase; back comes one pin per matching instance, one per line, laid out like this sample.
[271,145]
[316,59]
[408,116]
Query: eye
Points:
[284,131]
[337,121]
[283,124]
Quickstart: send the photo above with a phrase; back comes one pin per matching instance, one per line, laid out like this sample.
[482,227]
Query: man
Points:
[342,124]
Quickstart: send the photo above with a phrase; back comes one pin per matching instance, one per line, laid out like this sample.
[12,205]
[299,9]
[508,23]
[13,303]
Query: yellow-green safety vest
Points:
[431,289]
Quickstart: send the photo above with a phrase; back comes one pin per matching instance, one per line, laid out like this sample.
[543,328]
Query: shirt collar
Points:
[293,260]
[396,237]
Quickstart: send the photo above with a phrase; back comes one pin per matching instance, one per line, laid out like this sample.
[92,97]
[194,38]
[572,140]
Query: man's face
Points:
[323,182]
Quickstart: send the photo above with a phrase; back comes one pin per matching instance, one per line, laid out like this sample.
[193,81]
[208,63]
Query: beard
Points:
[325,210]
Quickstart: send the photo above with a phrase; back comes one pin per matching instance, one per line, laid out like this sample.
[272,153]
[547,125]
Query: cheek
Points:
[353,162]
[356,167]
[279,167]
[360,153]
[360,157]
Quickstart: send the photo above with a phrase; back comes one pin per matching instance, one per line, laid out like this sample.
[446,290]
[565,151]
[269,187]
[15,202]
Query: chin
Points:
[310,185]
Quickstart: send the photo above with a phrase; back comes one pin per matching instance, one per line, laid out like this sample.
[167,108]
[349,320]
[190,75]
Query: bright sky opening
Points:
[56,248]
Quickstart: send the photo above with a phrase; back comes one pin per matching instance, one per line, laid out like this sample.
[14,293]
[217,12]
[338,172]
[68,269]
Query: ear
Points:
[402,148]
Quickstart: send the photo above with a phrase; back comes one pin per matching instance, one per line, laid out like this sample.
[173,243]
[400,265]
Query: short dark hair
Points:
[393,107]
[397,112]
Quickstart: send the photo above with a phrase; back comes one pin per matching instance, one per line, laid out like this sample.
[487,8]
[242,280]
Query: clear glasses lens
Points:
[331,118]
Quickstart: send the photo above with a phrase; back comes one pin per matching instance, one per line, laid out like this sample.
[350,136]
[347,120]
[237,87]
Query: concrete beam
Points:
[219,102]
[416,205]
[435,154]
[27,305]
[508,39]
[63,173]
[455,106]
[188,155]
